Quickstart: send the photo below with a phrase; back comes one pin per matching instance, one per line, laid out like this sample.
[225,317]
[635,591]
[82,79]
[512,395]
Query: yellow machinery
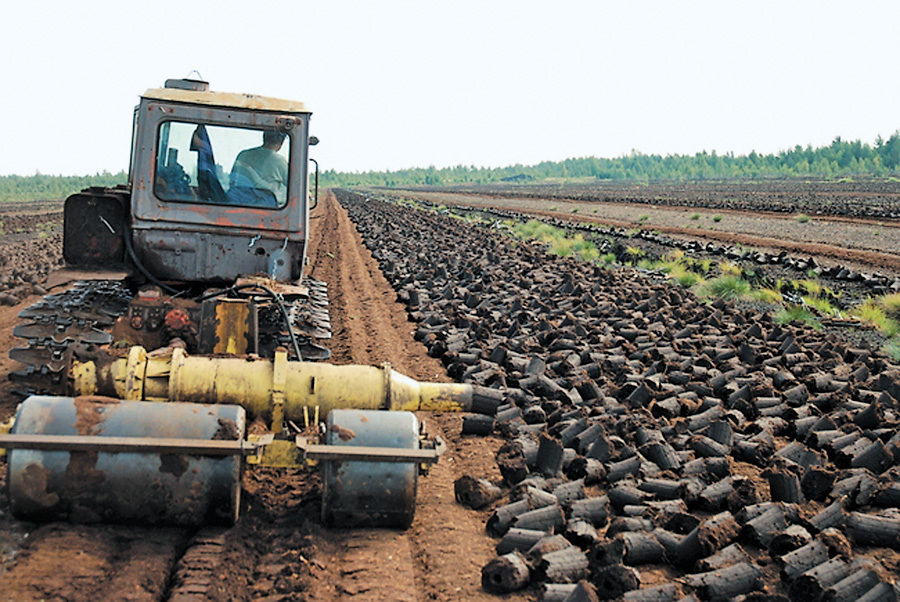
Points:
[129,447]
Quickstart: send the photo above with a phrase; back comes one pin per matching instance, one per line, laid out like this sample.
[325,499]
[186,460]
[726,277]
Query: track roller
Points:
[107,460]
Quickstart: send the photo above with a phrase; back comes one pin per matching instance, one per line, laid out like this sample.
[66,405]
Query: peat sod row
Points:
[658,448]
[861,198]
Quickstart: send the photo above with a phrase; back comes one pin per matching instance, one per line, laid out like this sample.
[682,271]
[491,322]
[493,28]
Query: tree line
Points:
[840,158]
[44,187]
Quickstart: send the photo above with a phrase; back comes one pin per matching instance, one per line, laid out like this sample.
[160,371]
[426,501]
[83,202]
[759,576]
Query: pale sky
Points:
[396,84]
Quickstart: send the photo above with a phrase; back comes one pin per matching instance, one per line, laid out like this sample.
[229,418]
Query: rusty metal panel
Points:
[228,326]
[203,256]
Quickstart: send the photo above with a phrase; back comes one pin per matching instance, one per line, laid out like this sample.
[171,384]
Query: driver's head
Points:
[273,139]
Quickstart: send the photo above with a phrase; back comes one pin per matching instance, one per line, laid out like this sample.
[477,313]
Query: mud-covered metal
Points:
[370,493]
[228,326]
[82,319]
[77,318]
[147,488]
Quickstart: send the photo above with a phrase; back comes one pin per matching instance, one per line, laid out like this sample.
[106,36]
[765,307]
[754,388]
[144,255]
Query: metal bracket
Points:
[254,450]
[359,453]
[155,445]
[279,383]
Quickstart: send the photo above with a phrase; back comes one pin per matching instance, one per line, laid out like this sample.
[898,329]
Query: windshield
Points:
[217,164]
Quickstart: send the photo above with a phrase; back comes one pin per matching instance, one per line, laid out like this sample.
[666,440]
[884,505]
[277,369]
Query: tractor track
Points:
[441,555]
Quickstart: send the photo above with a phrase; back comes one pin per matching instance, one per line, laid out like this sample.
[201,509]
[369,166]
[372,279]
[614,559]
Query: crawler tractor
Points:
[184,318]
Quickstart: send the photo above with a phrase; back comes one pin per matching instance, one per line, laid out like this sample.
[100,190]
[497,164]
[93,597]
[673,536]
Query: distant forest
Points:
[41,187]
[839,159]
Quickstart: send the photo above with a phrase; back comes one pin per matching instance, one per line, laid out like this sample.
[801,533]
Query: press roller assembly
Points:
[91,458]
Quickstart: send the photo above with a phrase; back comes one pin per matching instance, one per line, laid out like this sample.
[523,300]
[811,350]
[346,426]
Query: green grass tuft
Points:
[892,349]
[766,295]
[873,314]
[797,314]
[727,287]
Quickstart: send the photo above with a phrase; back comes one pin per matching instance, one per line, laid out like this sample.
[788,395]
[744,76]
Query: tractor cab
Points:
[218,190]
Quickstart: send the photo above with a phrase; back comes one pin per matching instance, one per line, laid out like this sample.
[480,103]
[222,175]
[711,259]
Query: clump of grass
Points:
[685,277]
[729,268]
[704,266]
[643,218]
[594,210]
[557,240]
[634,253]
[585,249]
[717,218]
[554,208]
[608,258]
[892,349]
[823,306]
[766,295]
[873,314]
[812,287]
[795,314]
[695,216]
[727,287]
[803,218]
[575,210]
[891,305]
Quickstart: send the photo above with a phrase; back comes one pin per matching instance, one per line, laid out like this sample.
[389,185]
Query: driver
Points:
[262,167]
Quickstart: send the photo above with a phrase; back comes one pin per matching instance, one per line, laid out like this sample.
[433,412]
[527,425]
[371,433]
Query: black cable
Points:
[137,263]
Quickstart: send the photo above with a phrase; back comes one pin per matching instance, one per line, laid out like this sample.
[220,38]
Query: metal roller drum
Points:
[370,494]
[147,487]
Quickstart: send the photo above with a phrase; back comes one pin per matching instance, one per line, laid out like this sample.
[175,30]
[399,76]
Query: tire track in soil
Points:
[440,556]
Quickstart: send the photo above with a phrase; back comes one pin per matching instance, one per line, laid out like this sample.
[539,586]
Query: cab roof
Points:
[226,99]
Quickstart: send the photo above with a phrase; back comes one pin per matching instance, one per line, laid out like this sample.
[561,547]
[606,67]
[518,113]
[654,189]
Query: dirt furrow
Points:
[441,555]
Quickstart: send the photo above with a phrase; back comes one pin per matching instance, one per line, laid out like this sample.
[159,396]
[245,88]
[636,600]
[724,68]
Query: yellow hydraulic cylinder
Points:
[266,388]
